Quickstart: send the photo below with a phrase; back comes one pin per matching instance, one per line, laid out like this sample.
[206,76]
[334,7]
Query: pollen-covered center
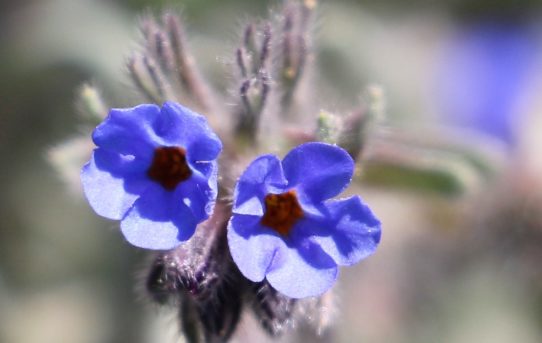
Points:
[169,167]
[281,211]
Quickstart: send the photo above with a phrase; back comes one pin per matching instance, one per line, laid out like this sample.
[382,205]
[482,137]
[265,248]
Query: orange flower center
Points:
[281,211]
[169,167]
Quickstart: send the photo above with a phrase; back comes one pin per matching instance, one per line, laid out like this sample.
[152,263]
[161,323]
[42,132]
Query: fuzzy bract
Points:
[303,260]
[155,170]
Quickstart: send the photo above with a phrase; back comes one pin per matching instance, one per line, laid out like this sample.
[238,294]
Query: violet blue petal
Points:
[350,234]
[262,175]
[318,169]
[180,126]
[199,192]
[129,131]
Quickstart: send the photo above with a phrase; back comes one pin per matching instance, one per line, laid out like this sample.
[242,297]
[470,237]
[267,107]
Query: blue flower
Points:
[485,77]
[283,229]
[155,170]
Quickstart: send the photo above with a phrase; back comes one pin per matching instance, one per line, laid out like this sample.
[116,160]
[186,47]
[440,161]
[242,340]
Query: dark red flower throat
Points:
[169,167]
[281,211]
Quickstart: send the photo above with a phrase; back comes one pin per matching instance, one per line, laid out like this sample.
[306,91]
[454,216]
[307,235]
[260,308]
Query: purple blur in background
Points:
[483,78]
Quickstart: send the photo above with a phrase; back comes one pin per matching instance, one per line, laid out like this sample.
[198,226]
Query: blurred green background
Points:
[449,269]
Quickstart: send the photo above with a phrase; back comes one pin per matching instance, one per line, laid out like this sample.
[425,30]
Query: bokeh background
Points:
[461,267]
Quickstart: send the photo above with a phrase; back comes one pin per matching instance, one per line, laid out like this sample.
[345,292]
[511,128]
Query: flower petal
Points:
[129,131]
[252,246]
[262,176]
[180,126]
[199,192]
[351,234]
[302,271]
[158,220]
[320,170]
[112,183]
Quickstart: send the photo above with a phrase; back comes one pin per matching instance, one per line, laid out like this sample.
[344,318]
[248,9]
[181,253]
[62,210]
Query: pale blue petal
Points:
[252,246]
[158,220]
[112,183]
[300,272]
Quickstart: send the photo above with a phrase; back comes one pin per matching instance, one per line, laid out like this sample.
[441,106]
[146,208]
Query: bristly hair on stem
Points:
[294,49]
[201,279]
[271,61]
[273,310]
[164,69]
[357,125]
[253,66]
